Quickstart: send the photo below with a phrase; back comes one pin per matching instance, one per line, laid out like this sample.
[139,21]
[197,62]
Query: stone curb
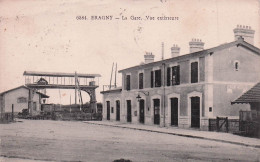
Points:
[177,134]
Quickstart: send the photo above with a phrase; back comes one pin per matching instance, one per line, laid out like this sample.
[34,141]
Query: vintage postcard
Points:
[132,80]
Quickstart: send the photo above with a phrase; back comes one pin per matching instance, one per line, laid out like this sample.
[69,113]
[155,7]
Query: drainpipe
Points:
[164,94]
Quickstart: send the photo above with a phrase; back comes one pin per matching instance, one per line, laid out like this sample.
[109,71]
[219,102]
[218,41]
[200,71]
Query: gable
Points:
[14,89]
[236,63]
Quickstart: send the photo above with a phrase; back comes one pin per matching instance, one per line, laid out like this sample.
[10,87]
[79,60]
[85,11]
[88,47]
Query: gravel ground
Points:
[43,140]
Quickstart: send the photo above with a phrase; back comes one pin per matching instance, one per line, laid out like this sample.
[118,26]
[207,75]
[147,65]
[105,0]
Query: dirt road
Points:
[76,141]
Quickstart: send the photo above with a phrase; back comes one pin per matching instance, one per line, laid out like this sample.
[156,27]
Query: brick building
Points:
[187,90]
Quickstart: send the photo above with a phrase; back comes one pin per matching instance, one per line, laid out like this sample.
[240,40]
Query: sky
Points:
[47,36]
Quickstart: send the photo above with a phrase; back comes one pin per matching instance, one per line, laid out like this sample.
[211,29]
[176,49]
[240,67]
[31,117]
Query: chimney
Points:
[175,50]
[162,50]
[148,57]
[245,32]
[196,45]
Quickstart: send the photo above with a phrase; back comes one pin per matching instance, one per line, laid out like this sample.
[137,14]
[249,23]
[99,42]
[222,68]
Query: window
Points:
[141,80]
[112,109]
[151,79]
[173,75]
[236,65]
[176,75]
[21,100]
[158,78]
[128,82]
[34,106]
[194,72]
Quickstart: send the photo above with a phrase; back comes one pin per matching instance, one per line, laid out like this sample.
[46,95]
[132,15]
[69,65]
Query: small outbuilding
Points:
[18,98]
[252,97]
[249,121]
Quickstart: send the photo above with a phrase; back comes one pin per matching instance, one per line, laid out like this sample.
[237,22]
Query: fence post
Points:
[12,112]
[240,118]
[217,124]
[227,124]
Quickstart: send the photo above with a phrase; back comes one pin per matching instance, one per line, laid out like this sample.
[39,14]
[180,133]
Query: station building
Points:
[187,90]
[19,98]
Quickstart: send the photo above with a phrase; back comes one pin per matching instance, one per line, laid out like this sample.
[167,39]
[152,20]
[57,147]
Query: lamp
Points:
[139,97]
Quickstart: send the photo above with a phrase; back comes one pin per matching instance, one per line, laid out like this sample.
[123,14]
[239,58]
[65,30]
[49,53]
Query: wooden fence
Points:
[223,124]
[6,117]
[249,123]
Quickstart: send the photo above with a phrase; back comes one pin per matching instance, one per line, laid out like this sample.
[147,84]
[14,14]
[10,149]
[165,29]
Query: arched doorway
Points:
[141,111]
[195,112]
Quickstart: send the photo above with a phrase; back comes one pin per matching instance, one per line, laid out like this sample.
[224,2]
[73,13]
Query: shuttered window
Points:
[176,75]
[141,80]
[128,82]
[151,79]
[158,78]
[194,72]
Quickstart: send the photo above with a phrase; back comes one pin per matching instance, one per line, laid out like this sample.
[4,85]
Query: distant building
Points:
[19,98]
[187,90]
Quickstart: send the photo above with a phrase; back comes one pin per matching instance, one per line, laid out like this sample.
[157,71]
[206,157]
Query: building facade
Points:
[18,98]
[185,91]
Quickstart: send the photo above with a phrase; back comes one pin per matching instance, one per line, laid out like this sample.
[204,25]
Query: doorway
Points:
[129,111]
[108,110]
[141,111]
[117,110]
[156,105]
[174,111]
[195,112]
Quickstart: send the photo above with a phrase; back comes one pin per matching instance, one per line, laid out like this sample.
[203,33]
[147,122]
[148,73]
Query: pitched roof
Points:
[119,89]
[43,95]
[239,42]
[22,86]
[251,96]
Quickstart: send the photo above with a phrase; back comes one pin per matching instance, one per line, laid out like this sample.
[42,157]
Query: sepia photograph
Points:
[129,81]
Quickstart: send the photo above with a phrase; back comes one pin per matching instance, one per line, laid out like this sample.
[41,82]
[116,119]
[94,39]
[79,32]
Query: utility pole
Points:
[115,74]
[75,88]
[111,76]
[164,94]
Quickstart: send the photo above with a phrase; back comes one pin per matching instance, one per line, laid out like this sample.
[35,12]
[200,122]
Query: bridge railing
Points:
[55,78]
[60,80]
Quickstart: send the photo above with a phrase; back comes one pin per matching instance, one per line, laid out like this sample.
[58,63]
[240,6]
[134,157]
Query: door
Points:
[195,112]
[174,111]
[118,110]
[141,111]
[34,106]
[108,110]
[156,104]
[129,111]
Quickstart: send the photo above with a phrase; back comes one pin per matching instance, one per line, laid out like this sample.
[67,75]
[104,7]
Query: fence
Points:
[223,124]
[249,123]
[6,117]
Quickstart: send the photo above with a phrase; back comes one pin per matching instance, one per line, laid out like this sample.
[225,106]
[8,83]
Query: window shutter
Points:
[151,79]
[141,75]
[194,72]
[158,78]
[178,75]
[128,82]
[168,76]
